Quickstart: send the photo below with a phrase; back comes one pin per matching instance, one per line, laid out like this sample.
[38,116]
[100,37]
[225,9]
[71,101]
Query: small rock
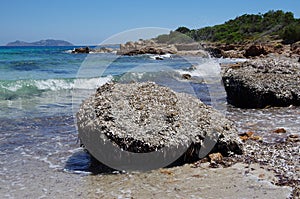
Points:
[249,135]
[159,58]
[166,171]
[193,67]
[262,175]
[215,157]
[293,138]
[186,76]
[256,138]
[279,130]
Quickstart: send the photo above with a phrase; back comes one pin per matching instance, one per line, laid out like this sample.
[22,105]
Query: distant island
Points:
[47,42]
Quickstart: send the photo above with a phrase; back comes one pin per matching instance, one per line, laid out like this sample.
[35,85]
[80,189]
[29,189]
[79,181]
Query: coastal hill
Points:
[273,25]
[47,42]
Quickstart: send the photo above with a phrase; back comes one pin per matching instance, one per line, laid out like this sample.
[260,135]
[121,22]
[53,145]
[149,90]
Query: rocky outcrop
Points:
[295,48]
[92,50]
[81,50]
[252,50]
[263,82]
[255,50]
[197,53]
[151,47]
[145,117]
[232,54]
[103,50]
[188,46]
[145,47]
[215,52]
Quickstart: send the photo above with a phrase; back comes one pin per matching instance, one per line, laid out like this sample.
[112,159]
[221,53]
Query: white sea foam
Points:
[13,87]
[160,56]
[91,83]
[207,70]
[55,84]
[68,51]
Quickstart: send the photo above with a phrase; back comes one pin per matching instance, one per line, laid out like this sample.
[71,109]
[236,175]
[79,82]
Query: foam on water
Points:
[207,69]
[91,83]
[10,89]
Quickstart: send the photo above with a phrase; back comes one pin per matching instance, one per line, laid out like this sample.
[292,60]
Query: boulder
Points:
[214,51]
[145,117]
[263,82]
[255,50]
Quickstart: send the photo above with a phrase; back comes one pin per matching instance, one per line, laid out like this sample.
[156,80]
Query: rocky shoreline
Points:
[202,49]
[269,78]
[218,50]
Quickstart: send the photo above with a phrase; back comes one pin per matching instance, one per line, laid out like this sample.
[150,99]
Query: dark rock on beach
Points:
[214,52]
[255,50]
[263,82]
[145,117]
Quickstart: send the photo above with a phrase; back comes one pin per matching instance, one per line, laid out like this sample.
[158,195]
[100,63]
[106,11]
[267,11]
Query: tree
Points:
[183,30]
[291,33]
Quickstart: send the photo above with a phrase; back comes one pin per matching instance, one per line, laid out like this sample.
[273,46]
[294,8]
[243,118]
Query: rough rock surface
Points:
[81,50]
[93,50]
[255,50]
[296,48]
[144,117]
[251,50]
[152,47]
[263,82]
[145,47]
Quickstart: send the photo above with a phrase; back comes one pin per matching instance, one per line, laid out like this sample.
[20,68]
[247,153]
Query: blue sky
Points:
[92,21]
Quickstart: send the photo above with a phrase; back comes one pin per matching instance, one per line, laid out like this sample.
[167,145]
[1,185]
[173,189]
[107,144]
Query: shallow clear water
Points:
[42,87]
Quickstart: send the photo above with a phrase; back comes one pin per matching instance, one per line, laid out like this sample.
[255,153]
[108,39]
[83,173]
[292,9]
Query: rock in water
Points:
[81,50]
[263,82]
[145,117]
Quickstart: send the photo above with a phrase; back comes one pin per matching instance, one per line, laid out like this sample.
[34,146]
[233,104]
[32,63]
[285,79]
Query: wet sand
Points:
[188,181]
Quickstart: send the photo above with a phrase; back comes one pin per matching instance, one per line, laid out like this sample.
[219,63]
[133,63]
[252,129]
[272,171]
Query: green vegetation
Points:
[174,37]
[248,27]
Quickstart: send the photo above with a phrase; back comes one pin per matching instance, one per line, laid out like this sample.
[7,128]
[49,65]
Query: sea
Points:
[41,89]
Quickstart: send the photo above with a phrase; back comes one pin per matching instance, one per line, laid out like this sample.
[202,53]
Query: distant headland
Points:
[47,42]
